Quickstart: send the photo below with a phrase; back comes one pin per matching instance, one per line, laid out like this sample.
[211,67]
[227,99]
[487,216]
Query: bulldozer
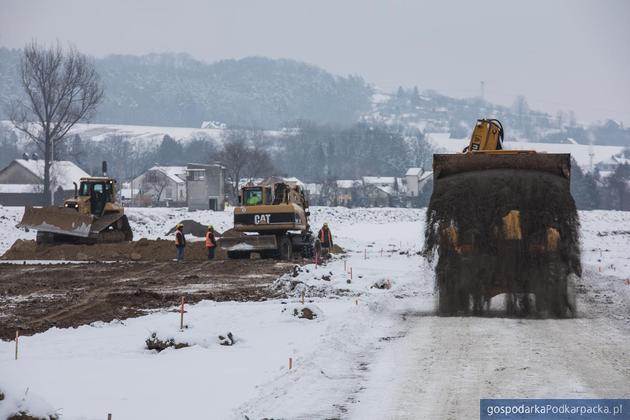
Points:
[271,220]
[503,222]
[92,216]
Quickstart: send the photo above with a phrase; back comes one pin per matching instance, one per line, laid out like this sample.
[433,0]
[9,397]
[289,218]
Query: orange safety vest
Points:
[179,238]
[209,240]
[323,233]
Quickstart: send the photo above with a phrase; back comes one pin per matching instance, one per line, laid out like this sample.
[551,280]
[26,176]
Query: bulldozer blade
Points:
[449,164]
[253,243]
[58,220]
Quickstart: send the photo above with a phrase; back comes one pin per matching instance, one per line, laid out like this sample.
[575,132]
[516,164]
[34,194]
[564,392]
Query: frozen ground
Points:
[369,353]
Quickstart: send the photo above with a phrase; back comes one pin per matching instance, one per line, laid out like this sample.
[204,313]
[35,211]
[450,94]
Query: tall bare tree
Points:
[235,155]
[61,88]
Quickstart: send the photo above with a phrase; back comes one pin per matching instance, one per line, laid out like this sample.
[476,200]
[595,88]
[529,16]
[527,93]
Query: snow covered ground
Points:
[369,353]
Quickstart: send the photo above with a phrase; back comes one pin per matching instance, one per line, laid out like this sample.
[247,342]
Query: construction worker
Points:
[255,198]
[180,241]
[325,239]
[211,242]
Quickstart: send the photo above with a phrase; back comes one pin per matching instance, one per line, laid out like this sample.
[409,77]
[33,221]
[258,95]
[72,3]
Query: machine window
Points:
[253,197]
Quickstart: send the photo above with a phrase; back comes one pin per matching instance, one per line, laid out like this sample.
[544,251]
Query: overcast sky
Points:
[564,54]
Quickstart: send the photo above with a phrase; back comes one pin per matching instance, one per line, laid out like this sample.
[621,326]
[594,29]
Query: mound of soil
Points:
[194,228]
[142,250]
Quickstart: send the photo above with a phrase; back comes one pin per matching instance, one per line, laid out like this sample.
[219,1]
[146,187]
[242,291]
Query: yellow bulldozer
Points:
[93,215]
[503,222]
[271,220]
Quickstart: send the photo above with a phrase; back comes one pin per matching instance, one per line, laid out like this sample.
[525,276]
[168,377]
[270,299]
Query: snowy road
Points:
[442,367]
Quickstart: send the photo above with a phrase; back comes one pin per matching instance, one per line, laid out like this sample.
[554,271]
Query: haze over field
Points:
[560,55]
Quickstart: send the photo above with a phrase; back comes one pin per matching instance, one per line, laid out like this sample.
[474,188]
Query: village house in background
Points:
[205,186]
[22,181]
[159,186]
[416,179]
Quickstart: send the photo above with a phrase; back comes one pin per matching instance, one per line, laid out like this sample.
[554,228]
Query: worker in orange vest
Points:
[211,242]
[180,241]
[325,239]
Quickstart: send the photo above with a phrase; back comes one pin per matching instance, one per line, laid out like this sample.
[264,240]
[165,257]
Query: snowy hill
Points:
[582,153]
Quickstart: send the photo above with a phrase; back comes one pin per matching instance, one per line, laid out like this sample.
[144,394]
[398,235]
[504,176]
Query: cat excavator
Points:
[503,222]
[271,220]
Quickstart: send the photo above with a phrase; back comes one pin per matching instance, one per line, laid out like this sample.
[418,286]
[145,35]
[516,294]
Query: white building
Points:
[164,185]
[22,181]
[416,179]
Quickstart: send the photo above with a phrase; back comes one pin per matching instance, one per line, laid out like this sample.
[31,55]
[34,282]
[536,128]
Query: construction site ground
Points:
[371,347]
[35,298]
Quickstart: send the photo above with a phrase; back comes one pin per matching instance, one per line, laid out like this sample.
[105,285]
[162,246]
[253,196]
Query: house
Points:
[416,179]
[205,186]
[383,191]
[22,181]
[608,166]
[346,191]
[314,192]
[160,185]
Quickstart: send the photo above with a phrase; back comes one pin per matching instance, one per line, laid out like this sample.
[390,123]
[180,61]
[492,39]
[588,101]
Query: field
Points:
[373,349]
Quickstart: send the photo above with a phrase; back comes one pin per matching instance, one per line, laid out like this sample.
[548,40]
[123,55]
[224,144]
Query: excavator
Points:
[92,216]
[503,222]
[272,221]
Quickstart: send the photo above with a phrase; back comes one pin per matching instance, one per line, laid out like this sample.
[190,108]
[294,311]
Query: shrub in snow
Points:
[155,343]
[26,407]
[305,312]
[227,340]
[382,284]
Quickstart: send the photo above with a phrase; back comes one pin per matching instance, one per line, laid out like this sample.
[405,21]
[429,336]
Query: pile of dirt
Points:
[141,250]
[336,249]
[474,204]
[194,228]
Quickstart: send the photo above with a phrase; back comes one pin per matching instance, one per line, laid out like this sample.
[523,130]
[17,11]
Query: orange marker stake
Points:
[17,339]
[302,297]
[350,273]
[181,318]
[290,362]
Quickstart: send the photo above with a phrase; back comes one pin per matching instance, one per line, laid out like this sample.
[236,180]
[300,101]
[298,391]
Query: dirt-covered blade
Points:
[57,220]
[449,164]
[248,243]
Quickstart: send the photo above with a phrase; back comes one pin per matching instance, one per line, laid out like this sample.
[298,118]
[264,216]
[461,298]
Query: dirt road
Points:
[34,298]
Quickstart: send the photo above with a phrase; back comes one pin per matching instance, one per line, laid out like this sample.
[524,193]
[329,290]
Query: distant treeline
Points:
[177,90]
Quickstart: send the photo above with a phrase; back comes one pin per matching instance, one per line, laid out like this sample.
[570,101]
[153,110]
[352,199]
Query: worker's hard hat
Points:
[326,224]
[179,225]
[210,227]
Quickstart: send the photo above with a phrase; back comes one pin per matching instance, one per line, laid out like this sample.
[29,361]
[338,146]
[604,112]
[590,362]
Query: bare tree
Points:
[157,182]
[259,163]
[235,155]
[62,88]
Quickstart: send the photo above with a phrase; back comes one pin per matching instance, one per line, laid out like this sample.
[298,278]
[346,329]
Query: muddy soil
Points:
[35,298]
[142,250]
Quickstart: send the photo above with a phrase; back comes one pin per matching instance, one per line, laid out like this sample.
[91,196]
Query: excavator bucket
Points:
[503,222]
[57,220]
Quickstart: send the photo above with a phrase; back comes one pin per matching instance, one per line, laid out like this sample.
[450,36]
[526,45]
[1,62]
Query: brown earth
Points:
[142,250]
[34,298]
